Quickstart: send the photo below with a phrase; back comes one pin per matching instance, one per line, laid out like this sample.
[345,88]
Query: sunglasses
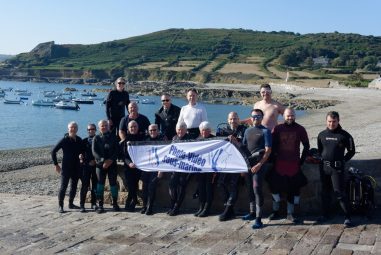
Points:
[122,83]
[165,100]
[257,116]
[152,130]
[89,129]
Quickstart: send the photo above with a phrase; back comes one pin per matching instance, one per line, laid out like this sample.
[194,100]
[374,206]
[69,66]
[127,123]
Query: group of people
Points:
[272,150]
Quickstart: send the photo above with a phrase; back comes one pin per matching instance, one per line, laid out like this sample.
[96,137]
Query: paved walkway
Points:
[32,225]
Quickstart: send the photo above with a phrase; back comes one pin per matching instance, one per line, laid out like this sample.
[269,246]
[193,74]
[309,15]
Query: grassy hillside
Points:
[230,55]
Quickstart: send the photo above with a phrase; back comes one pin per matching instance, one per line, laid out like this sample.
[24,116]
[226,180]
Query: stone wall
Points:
[310,194]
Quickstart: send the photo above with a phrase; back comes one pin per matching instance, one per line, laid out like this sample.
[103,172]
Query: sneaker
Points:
[274,215]
[73,206]
[249,216]
[348,223]
[257,224]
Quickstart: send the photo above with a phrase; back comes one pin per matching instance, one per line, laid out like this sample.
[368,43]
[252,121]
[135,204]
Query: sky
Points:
[26,23]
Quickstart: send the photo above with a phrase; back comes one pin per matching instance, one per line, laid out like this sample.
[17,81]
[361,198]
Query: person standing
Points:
[132,173]
[116,104]
[178,181]
[205,181]
[105,151]
[287,175]
[88,170]
[150,179]
[229,181]
[72,150]
[133,114]
[336,146]
[192,114]
[270,107]
[166,117]
[257,139]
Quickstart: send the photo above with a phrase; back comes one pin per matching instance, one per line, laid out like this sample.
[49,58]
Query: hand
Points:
[256,168]
[233,139]
[81,158]
[107,163]
[159,175]
[92,163]
[132,165]
[58,169]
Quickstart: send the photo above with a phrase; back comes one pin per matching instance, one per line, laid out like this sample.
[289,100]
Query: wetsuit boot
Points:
[82,208]
[60,207]
[205,212]
[202,205]
[114,194]
[100,208]
[149,210]
[227,214]
[72,205]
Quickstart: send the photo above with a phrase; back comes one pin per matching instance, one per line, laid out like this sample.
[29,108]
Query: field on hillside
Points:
[242,68]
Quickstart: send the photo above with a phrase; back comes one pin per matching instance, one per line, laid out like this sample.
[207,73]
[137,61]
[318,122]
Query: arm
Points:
[122,128]
[258,166]
[108,105]
[350,149]
[95,149]
[306,146]
[54,155]
[181,117]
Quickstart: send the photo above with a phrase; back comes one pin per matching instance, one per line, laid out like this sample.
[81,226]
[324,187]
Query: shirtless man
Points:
[270,108]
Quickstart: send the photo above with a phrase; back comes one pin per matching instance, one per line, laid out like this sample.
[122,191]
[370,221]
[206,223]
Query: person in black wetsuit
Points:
[132,174]
[133,114]
[88,170]
[72,148]
[256,138]
[105,151]
[150,179]
[167,116]
[332,143]
[116,104]
[229,181]
[205,181]
[178,181]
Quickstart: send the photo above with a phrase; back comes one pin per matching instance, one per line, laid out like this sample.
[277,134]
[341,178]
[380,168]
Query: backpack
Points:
[360,192]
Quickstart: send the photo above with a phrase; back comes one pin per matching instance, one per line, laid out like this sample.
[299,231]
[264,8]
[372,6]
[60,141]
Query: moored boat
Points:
[82,101]
[67,105]
[147,101]
[43,102]
[88,94]
[12,101]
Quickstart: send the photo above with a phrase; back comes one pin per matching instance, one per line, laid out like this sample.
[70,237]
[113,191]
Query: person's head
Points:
[233,120]
[153,130]
[265,91]
[72,128]
[205,129]
[120,84]
[133,127]
[289,116]
[192,96]
[133,108]
[91,129]
[333,120]
[166,100]
[103,126]
[257,116]
[181,129]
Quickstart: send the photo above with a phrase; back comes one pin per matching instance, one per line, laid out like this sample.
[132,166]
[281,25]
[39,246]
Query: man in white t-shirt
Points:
[192,114]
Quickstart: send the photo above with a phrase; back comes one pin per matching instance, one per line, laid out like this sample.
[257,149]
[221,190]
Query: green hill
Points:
[229,55]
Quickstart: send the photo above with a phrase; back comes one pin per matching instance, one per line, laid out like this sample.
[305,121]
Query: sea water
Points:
[25,125]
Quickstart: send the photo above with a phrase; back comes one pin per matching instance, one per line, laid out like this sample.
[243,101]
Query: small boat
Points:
[12,101]
[67,105]
[43,102]
[20,90]
[24,94]
[88,94]
[96,98]
[62,98]
[9,89]
[147,101]
[50,93]
[83,101]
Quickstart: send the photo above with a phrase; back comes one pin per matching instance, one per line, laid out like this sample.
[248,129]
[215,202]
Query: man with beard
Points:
[287,175]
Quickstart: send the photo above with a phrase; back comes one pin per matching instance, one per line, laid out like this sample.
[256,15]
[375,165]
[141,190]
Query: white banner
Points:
[189,157]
